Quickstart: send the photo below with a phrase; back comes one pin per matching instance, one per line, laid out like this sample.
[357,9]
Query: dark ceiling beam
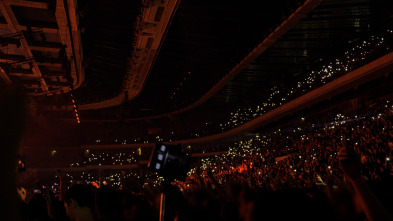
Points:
[57,83]
[21,75]
[45,49]
[43,29]
[5,58]
[13,25]
[30,4]
[151,33]
[53,73]
[29,81]
[47,59]
[5,77]
[50,64]
[34,28]
[19,70]
[5,41]
[70,36]
[54,45]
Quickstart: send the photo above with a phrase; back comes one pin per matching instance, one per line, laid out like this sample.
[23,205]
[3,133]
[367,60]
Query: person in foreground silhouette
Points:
[79,203]
[364,198]
[12,123]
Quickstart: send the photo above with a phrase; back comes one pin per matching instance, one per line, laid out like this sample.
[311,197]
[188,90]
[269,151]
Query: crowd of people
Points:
[357,54]
[307,157]
[336,167]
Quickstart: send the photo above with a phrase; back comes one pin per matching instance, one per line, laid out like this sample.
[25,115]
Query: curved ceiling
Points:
[207,41]
[156,61]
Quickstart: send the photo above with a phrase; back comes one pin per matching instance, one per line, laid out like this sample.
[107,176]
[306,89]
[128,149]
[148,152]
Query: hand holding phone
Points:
[349,161]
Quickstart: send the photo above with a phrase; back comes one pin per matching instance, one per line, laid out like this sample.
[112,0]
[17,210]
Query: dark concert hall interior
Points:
[190,110]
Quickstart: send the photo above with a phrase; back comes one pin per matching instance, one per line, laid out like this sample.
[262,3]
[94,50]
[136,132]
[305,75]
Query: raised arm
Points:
[61,176]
